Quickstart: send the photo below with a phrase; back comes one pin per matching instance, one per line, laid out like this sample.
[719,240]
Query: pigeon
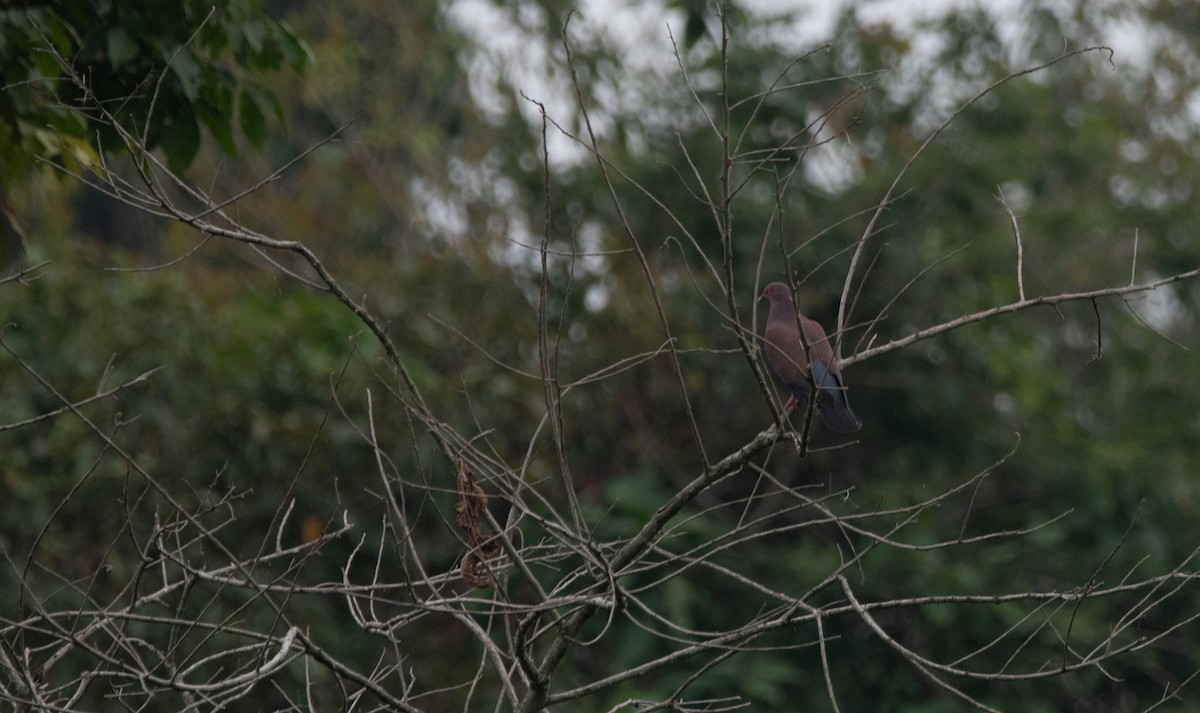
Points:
[788,359]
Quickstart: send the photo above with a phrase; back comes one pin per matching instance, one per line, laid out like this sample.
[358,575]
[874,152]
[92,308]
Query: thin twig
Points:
[1017,237]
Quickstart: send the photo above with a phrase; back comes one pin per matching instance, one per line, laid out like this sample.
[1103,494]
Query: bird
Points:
[787,357]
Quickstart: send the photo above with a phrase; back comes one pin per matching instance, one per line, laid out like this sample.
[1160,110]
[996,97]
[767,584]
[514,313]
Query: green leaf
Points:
[215,109]
[219,127]
[255,34]
[121,46]
[695,29]
[251,119]
[180,140]
[295,52]
[186,70]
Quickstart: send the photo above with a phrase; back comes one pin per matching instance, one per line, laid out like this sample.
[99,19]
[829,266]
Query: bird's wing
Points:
[833,404]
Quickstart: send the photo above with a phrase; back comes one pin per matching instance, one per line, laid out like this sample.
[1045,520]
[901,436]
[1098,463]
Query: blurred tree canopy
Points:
[431,208]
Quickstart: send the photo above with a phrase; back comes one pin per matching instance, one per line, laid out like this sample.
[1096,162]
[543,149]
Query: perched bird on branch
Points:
[790,359]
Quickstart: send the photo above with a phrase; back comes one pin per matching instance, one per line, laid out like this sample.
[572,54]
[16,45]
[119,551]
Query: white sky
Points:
[643,28]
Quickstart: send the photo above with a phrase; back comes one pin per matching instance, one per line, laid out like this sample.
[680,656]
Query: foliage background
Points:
[427,203]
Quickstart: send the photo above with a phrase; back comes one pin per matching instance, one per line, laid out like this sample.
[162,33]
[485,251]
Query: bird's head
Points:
[775,292]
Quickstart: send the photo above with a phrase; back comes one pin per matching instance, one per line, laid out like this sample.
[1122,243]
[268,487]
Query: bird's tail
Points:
[832,403]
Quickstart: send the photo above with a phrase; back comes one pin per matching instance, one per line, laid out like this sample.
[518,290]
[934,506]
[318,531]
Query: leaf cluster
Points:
[165,73]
